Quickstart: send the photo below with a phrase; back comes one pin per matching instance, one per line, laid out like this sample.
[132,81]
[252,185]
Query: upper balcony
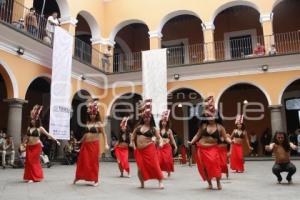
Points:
[237,33]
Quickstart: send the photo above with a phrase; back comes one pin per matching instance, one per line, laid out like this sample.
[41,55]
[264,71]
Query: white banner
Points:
[155,80]
[61,84]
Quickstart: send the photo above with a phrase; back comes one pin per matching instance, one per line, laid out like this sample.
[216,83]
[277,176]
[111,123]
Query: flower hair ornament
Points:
[36,111]
[92,108]
[165,115]
[209,107]
[239,119]
[124,121]
[145,108]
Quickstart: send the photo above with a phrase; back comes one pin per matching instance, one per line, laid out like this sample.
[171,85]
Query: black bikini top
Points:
[124,138]
[215,135]
[34,133]
[93,129]
[149,133]
[237,135]
[165,135]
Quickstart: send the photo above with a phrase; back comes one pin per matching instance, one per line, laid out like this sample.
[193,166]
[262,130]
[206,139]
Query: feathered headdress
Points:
[209,107]
[239,119]
[93,108]
[36,111]
[165,115]
[145,108]
[124,121]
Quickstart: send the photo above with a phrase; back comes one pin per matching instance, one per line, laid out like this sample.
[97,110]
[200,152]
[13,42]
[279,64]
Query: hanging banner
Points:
[61,84]
[155,80]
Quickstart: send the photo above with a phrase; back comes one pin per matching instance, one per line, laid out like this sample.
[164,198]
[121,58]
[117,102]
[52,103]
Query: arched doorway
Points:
[38,92]
[286,23]
[291,104]
[130,40]
[3,105]
[249,100]
[185,106]
[183,37]
[125,105]
[237,32]
[79,112]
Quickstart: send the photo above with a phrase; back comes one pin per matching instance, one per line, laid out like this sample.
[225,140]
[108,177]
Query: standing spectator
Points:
[31,22]
[253,143]
[52,21]
[8,149]
[293,139]
[22,151]
[106,58]
[259,50]
[266,140]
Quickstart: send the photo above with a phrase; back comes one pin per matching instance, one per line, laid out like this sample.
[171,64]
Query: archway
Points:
[286,23]
[185,106]
[183,37]
[3,105]
[291,108]
[237,31]
[38,92]
[133,37]
[125,105]
[50,6]
[79,113]
[249,100]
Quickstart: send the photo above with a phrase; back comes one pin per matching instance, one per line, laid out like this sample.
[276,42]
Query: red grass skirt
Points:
[208,160]
[148,163]
[122,157]
[88,162]
[223,159]
[237,158]
[166,158]
[33,168]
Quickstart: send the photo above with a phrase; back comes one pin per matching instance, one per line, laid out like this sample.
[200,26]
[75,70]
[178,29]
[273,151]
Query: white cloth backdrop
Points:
[155,80]
[61,84]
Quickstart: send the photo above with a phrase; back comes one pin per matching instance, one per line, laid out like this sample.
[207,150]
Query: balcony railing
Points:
[16,15]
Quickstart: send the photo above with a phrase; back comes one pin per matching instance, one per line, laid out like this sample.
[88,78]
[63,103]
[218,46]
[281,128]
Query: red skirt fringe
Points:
[208,160]
[166,158]
[122,157]
[148,163]
[223,159]
[88,162]
[237,158]
[33,168]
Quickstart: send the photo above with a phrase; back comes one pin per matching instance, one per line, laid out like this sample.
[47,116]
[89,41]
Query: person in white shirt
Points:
[8,149]
[52,21]
[106,58]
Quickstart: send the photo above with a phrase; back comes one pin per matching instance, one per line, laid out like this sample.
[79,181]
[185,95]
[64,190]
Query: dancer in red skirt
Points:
[207,139]
[33,170]
[166,153]
[122,148]
[223,155]
[238,136]
[88,160]
[145,152]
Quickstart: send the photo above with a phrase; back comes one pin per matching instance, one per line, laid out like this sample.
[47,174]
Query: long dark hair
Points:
[161,126]
[285,144]
[141,121]
[204,120]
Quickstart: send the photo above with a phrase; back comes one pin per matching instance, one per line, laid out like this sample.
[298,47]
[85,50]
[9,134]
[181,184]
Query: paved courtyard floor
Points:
[257,182]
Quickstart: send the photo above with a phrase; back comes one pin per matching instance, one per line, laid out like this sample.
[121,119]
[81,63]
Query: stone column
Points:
[266,21]
[276,118]
[209,45]
[155,39]
[14,123]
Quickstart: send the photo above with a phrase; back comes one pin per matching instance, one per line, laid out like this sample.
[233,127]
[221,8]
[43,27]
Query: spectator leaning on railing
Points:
[31,22]
[52,21]
[105,59]
[259,50]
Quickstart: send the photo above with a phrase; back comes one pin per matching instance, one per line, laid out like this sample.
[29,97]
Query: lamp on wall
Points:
[20,51]
[176,76]
[265,68]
